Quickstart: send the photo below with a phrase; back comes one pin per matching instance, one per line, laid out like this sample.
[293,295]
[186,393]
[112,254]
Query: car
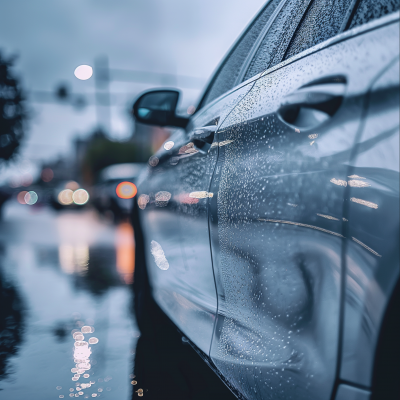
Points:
[267,226]
[115,189]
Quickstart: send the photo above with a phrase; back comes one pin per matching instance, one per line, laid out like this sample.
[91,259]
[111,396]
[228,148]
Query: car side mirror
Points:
[158,107]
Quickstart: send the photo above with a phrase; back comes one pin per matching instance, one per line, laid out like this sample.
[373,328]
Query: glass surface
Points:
[369,10]
[157,104]
[275,42]
[228,73]
[322,21]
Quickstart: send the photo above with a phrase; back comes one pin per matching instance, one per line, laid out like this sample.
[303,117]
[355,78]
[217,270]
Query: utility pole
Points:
[102,79]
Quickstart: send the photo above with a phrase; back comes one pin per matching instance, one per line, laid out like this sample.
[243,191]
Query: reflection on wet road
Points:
[67,329]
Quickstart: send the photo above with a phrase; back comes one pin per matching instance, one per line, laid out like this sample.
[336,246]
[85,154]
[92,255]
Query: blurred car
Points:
[267,229]
[115,189]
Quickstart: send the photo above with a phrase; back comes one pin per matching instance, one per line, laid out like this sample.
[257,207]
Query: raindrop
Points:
[159,256]
[169,145]
[153,161]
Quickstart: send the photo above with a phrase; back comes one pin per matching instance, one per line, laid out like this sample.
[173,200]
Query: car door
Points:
[277,219]
[176,227]
[195,298]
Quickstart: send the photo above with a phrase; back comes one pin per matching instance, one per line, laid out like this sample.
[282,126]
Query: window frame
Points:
[253,51]
[265,33]
[344,27]
[246,30]
[346,22]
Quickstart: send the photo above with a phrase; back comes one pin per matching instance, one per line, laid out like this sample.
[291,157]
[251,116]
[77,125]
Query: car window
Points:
[226,77]
[322,21]
[276,40]
[368,10]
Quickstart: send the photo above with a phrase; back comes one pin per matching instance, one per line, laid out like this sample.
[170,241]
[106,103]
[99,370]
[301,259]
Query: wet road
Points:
[60,274]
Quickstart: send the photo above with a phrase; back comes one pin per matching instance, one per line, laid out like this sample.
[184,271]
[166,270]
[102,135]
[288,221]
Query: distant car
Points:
[267,228]
[115,189]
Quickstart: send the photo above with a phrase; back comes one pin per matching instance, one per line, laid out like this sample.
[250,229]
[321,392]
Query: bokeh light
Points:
[65,197]
[78,336]
[21,197]
[72,185]
[27,179]
[126,190]
[86,329]
[83,72]
[31,198]
[47,175]
[191,110]
[80,197]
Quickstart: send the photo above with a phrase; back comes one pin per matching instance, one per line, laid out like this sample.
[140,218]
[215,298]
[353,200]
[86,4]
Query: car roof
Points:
[121,171]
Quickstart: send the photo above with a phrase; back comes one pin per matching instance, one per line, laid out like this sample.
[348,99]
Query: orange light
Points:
[126,190]
[21,197]
[125,246]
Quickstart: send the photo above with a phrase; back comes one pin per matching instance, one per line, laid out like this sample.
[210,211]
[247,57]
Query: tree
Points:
[13,113]
[102,152]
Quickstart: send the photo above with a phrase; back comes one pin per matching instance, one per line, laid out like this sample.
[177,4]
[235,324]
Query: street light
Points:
[83,72]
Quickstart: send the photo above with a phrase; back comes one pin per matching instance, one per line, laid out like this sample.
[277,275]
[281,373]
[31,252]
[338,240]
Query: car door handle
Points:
[312,104]
[204,134]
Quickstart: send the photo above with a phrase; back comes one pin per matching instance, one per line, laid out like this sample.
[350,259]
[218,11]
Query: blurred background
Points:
[70,152]
[131,46]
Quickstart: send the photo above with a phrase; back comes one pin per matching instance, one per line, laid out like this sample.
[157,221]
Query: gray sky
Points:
[184,37]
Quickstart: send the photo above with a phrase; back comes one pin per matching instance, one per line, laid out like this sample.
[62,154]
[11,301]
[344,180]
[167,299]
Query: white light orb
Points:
[83,72]
[80,197]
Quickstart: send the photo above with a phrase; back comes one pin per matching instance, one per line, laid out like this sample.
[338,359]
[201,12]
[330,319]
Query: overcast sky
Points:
[182,37]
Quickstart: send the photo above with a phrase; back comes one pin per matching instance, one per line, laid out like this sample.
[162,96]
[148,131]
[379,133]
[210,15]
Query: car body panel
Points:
[372,230]
[186,290]
[277,225]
